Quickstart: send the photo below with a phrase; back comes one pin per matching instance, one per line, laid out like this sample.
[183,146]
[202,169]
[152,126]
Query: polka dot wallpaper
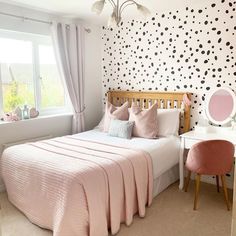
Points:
[191,49]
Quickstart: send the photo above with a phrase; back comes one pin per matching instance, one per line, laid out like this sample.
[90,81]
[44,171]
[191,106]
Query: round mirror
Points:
[221,106]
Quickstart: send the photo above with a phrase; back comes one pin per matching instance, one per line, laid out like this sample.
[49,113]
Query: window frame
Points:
[36,40]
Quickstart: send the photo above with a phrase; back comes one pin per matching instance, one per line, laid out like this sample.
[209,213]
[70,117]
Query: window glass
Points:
[29,74]
[16,73]
[52,91]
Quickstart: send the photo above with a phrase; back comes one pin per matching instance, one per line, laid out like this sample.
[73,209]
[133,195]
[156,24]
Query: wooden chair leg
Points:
[217,183]
[187,181]
[225,191]
[197,187]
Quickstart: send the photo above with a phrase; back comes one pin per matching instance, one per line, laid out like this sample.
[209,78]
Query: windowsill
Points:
[40,117]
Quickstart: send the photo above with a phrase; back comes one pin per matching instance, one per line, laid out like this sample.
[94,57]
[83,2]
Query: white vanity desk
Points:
[220,110]
[190,138]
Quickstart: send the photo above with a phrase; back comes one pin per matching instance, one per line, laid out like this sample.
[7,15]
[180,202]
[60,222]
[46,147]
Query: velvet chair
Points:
[213,157]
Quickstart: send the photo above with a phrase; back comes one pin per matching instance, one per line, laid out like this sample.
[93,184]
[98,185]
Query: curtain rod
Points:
[35,20]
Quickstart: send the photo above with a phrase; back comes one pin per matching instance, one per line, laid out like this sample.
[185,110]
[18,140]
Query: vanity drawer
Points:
[190,142]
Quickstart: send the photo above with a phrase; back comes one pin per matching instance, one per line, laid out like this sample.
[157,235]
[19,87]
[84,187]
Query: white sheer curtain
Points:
[68,43]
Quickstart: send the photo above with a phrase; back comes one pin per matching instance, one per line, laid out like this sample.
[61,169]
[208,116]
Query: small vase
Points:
[25,112]
[18,112]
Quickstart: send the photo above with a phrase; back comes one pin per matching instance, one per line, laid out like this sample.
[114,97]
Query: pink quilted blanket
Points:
[77,187]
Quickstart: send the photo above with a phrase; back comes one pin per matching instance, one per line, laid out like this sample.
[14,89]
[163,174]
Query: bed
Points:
[88,183]
[164,153]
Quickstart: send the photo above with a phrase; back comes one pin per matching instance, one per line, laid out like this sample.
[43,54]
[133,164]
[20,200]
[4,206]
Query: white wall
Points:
[57,125]
[93,77]
[53,126]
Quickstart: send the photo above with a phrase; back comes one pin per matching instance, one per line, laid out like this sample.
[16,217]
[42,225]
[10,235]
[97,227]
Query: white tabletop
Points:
[228,135]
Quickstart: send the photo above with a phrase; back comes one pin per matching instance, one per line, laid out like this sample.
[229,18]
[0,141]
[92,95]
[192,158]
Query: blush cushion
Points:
[121,129]
[114,113]
[145,121]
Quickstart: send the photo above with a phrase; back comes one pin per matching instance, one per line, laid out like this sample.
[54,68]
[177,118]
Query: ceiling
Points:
[81,8]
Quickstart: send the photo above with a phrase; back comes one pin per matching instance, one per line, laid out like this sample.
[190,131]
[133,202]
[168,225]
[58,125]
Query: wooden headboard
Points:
[165,100]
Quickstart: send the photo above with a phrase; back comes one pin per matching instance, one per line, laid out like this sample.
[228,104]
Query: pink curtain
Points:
[68,40]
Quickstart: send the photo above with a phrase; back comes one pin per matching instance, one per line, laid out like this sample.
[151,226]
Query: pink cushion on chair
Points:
[213,157]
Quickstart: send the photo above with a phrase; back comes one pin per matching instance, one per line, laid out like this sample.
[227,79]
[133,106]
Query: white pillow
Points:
[168,121]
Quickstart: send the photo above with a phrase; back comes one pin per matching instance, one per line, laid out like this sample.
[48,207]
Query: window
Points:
[29,74]
[49,79]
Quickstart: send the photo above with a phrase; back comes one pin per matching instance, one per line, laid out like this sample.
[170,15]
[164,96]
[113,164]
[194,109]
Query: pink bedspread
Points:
[77,187]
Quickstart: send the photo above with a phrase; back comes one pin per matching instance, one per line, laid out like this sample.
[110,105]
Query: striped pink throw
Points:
[78,187]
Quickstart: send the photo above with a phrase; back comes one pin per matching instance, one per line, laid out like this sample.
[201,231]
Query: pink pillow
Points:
[145,121]
[115,113]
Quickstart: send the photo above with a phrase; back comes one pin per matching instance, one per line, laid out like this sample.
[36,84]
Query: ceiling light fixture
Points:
[118,8]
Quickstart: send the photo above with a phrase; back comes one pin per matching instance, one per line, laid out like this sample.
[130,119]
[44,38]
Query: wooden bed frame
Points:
[165,100]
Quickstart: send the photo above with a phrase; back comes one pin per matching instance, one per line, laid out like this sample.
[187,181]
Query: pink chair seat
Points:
[213,157]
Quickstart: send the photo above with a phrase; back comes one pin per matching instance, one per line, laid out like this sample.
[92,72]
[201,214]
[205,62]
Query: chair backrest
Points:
[212,157]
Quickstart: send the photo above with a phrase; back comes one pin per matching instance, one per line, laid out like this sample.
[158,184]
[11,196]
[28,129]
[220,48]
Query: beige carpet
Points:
[171,214]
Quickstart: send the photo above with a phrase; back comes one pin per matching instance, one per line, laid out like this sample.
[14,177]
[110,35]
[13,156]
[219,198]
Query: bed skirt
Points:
[167,178]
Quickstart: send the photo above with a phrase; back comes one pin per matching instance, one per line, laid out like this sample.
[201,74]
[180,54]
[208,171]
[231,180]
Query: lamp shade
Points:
[112,21]
[98,6]
[117,9]
[143,10]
